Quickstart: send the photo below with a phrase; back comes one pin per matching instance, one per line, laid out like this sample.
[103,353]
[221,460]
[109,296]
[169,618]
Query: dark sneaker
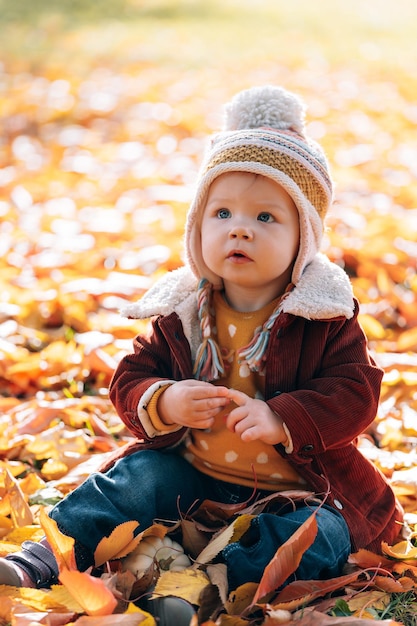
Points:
[170,611]
[33,566]
[11,574]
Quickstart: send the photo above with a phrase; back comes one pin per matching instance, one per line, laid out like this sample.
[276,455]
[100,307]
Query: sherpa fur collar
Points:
[322,293]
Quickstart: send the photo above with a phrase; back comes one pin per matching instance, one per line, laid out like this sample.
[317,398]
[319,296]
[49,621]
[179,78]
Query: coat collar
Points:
[323,292]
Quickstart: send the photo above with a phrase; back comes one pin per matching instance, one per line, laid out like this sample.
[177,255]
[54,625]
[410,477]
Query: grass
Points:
[401,608]
[198,33]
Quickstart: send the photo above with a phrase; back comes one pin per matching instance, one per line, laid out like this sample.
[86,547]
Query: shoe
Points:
[11,574]
[34,566]
[170,611]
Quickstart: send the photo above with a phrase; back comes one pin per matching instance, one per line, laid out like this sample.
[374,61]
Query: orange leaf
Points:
[301,592]
[388,584]
[91,593]
[287,558]
[119,543]
[62,545]
[366,558]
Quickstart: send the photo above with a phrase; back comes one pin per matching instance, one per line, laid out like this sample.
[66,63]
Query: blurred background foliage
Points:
[105,109]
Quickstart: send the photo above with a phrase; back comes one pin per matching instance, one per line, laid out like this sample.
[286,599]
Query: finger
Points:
[208,405]
[249,434]
[203,424]
[235,418]
[238,397]
[227,409]
[210,391]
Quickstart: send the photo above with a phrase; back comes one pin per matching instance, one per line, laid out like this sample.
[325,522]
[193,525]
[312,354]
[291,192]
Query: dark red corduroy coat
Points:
[322,382]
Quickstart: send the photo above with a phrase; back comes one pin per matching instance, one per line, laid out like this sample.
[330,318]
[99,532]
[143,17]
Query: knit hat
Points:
[264,134]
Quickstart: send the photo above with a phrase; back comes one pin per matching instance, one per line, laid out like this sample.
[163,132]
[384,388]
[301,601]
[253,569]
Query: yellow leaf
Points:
[122,541]
[241,598]
[186,584]
[24,533]
[118,542]
[371,326]
[407,340]
[374,599]
[20,512]
[217,544]
[54,469]
[6,525]
[62,596]
[62,545]
[401,550]
[241,525]
[39,599]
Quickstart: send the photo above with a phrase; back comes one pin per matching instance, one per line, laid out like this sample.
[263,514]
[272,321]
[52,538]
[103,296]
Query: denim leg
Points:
[143,486]
[324,559]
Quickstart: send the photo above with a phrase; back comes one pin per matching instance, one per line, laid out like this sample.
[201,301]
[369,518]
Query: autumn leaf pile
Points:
[103,126]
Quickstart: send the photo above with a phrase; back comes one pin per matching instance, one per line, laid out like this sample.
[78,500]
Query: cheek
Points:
[209,234]
[206,242]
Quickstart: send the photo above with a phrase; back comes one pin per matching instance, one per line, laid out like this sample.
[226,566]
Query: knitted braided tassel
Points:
[208,363]
[254,354]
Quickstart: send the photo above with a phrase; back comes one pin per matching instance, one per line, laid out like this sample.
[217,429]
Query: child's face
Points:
[250,237]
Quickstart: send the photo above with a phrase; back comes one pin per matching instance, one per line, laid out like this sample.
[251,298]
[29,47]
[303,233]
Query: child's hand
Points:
[192,403]
[252,419]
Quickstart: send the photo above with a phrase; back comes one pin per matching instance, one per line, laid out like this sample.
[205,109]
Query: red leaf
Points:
[287,558]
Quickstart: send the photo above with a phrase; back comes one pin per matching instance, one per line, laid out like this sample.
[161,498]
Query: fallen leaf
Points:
[403,550]
[287,558]
[91,593]
[186,584]
[62,545]
[119,543]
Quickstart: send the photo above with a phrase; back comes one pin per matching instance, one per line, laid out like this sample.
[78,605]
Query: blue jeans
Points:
[156,485]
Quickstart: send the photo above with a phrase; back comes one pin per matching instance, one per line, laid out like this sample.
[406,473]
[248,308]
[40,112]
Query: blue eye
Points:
[223,214]
[265,217]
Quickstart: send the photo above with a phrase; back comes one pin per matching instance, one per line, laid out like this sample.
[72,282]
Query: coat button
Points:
[308,448]
[338,504]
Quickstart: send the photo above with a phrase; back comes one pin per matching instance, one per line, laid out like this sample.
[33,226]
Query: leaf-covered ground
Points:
[104,112]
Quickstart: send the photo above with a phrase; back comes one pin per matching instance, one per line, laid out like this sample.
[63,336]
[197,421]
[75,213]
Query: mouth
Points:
[237,256]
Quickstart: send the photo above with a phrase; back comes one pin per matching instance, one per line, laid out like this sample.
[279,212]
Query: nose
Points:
[240,232]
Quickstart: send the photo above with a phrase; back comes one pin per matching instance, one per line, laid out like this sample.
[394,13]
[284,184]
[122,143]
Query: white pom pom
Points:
[268,106]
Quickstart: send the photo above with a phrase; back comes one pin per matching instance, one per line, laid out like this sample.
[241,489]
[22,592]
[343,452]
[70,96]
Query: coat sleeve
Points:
[156,361]
[337,391]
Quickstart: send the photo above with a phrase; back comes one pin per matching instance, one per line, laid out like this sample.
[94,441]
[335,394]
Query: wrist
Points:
[162,407]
